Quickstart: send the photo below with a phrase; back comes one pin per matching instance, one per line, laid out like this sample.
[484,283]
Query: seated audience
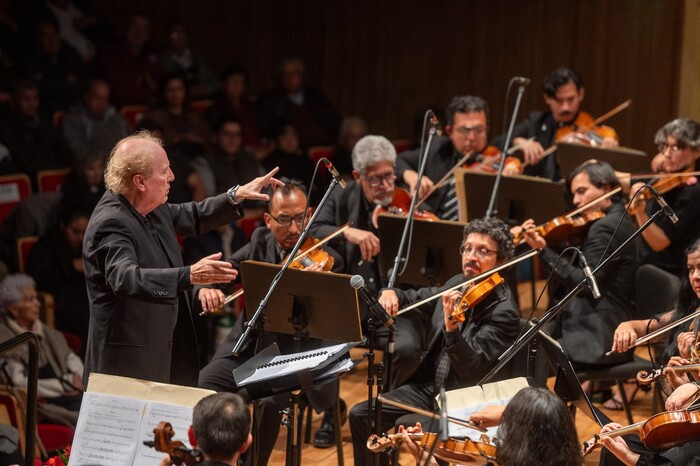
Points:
[352,129]
[73,22]
[86,183]
[292,160]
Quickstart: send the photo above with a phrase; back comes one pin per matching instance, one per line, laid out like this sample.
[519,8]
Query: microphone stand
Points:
[399,258]
[491,211]
[552,312]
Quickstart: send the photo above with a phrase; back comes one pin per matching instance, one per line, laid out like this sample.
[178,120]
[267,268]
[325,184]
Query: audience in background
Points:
[352,129]
[86,183]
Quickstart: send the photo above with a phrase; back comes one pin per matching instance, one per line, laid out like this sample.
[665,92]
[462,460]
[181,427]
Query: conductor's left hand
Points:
[212,270]
[253,188]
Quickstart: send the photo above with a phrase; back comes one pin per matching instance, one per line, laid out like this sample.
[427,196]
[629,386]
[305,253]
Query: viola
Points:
[585,131]
[647,377]
[179,453]
[452,450]
[660,432]
[662,185]
[474,295]
[310,254]
[564,228]
[401,204]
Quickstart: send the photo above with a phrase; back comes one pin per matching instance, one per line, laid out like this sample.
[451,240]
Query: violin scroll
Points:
[163,442]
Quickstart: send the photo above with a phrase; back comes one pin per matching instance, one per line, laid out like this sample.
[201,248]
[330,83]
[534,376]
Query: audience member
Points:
[73,21]
[234,100]
[352,129]
[60,369]
[93,126]
[311,112]
[33,143]
[287,155]
[131,69]
[86,183]
[56,263]
[178,120]
[55,66]
[177,57]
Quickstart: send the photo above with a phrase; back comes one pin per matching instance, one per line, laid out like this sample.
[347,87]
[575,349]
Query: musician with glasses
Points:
[284,221]
[466,127]
[456,354]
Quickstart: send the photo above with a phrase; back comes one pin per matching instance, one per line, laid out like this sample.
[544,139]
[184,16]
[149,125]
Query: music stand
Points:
[305,304]
[566,386]
[431,262]
[622,159]
[521,197]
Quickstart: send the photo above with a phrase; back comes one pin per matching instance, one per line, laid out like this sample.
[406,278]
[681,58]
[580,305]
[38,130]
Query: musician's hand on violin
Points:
[211,299]
[682,397]
[618,446]
[609,142]
[532,150]
[315,267]
[534,240]
[490,416]
[389,301]
[639,200]
[511,169]
[412,446]
[685,341]
[166,461]
[449,301]
[365,240]
[624,337]
[210,270]
[673,377]
[657,163]
[410,177]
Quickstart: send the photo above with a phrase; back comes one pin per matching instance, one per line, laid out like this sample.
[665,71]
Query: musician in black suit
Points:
[271,243]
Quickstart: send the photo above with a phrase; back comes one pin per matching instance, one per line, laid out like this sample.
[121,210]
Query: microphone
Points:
[334,173]
[444,429]
[590,278]
[522,81]
[357,282]
[435,123]
[664,206]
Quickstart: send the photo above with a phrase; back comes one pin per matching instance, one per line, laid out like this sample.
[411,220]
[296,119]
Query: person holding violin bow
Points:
[284,222]
[563,94]
[585,327]
[665,241]
[456,354]
[466,126]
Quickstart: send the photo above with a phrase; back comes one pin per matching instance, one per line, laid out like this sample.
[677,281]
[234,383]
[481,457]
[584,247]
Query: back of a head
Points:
[221,424]
[537,429]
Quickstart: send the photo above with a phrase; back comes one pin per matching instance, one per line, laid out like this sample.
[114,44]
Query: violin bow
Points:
[424,412]
[320,243]
[444,179]
[593,202]
[641,176]
[479,277]
[661,331]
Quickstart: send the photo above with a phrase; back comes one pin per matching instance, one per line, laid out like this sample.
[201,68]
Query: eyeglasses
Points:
[286,220]
[376,181]
[664,147]
[482,252]
[464,130]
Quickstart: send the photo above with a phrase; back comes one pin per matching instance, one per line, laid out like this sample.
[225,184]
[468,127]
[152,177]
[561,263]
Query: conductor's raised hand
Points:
[212,270]
[253,189]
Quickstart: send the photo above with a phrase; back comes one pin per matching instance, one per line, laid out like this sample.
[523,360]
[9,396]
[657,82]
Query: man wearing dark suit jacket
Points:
[140,321]
[271,243]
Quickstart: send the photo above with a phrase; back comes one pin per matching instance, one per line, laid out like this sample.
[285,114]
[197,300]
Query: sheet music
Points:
[286,364]
[456,430]
[107,430]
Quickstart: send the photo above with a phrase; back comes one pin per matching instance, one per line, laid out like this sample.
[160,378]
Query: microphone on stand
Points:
[435,123]
[664,206]
[357,282]
[590,278]
[522,81]
[334,173]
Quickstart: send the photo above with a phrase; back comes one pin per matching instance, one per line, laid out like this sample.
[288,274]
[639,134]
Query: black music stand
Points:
[521,197]
[622,159]
[431,262]
[305,304]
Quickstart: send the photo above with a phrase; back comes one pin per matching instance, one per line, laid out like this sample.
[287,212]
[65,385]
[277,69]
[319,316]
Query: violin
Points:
[584,131]
[401,204]
[313,255]
[474,295]
[564,228]
[452,450]
[660,432]
[647,377]
[662,185]
[179,453]
[489,160]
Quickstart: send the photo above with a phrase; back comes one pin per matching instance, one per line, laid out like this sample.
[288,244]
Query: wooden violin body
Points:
[489,160]
[401,204]
[564,228]
[314,256]
[662,186]
[584,130]
[464,451]
[179,453]
[474,295]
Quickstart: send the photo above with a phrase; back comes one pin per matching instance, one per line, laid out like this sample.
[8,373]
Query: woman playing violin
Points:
[585,327]
[665,241]
[533,418]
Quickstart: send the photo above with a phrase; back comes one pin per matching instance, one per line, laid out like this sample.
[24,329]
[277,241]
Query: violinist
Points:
[665,241]
[271,243]
[454,354]
[563,94]
[533,417]
[220,430]
[585,327]
[629,450]
[466,126]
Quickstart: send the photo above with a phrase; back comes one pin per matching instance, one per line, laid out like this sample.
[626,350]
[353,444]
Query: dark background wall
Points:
[384,60]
